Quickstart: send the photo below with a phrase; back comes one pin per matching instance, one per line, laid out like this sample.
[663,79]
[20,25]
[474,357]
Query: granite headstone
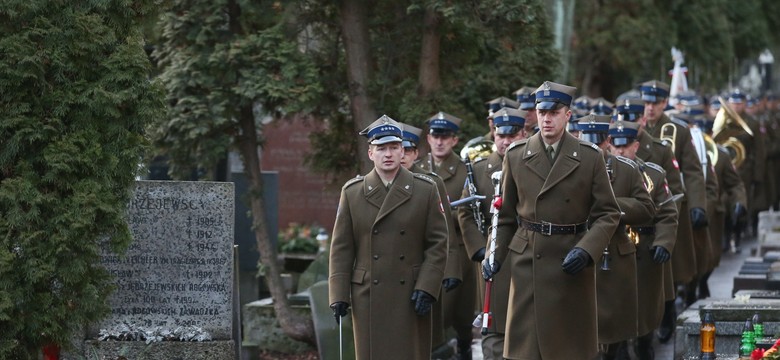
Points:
[177,277]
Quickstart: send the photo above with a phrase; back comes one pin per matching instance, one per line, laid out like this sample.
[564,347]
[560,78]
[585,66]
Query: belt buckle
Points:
[546,228]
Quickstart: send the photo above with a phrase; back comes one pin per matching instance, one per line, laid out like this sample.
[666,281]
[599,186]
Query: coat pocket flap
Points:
[358,275]
[518,244]
[626,248]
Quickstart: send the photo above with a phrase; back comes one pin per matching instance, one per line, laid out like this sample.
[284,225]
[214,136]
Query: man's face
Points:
[530,121]
[410,155]
[386,157]
[503,141]
[739,107]
[552,123]
[654,110]
[712,111]
[442,144]
[628,151]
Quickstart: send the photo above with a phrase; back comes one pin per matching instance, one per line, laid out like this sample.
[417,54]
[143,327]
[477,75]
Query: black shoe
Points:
[464,349]
[664,334]
[644,347]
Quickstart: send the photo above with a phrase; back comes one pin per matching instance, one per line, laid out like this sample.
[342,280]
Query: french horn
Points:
[725,116]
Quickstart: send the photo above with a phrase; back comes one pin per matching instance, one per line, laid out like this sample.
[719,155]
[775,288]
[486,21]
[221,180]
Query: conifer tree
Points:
[75,98]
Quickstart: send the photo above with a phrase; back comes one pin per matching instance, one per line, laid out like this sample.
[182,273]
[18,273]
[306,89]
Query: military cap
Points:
[695,109]
[501,102]
[582,103]
[508,121]
[751,101]
[552,95]
[382,131]
[704,123]
[632,94]
[593,128]
[443,123]
[684,116]
[630,109]
[654,90]
[689,98]
[715,102]
[525,96]
[623,132]
[411,135]
[602,107]
[737,96]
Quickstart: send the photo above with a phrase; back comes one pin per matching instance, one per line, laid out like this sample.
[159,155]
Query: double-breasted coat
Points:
[655,279]
[386,244]
[458,304]
[659,152]
[617,287]
[475,240]
[730,192]
[552,315]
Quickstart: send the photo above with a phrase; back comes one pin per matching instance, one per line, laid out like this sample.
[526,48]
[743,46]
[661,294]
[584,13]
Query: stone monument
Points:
[174,285]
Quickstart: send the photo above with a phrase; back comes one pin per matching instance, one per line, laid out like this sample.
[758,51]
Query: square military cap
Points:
[508,121]
[737,96]
[382,131]
[631,109]
[623,132]
[582,103]
[576,115]
[443,123]
[552,95]
[525,96]
[654,91]
[715,102]
[696,109]
[501,102]
[602,107]
[411,135]
[630,94]
[593,128]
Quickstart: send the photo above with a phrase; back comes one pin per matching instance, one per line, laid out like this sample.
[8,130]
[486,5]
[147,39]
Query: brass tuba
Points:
[477,148]
[734,146]
[712,148]
[669,133]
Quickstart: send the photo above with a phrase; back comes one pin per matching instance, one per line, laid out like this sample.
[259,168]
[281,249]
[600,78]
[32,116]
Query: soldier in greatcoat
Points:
[388,252]
[557,216]
[507,128]
[616,278]
[656,239]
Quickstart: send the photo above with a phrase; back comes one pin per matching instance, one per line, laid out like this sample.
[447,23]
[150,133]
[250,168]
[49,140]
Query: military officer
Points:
[549,252]
[508,127]
[493,106]
[655,238]
[616,280]
[388,250]
[527,100]
[452,272]
[459,304]
[659,152]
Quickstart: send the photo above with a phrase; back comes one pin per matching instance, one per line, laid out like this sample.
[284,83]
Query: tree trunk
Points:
[294,326]
[354,31]
[429,77]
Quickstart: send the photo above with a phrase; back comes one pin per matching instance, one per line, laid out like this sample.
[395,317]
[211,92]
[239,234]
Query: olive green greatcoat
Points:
[459,304]
[475,240]
[705,254]
[617,287]
[730,192]
[546,304]
[385,245]
[685,259]
[655,281]
[751,170]
[658,152]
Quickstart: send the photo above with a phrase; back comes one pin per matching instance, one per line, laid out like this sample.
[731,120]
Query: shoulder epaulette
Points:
[353,181]
[516,143]
[679,122]
[655,167]
[663,142]
[425,177]
[626,160]
[590,145]
[479,159]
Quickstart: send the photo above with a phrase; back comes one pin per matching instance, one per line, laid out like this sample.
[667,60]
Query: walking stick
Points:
[494,208]
[341,341]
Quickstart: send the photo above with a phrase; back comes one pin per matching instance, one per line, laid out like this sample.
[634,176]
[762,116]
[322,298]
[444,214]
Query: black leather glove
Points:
[576,260]
[479,255]
[487,271]
[339,310]
[450,283]
[422,302]
[739,210]
[660,255]
[698,218]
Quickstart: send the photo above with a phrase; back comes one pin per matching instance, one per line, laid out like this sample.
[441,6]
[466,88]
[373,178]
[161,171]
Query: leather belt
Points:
[645,230]
[546,228]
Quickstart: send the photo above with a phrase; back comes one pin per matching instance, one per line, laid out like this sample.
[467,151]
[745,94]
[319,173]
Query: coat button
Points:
[376,231]
[376,282]
[402,257]
[403,232]
[403,282]
[376,257]
[538,256]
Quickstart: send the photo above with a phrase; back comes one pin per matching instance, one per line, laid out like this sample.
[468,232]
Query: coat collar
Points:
[449,167]
[494,163]
[568,159]
[388,200]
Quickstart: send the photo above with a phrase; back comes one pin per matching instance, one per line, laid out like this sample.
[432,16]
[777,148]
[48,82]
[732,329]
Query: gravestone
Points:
[174,285]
